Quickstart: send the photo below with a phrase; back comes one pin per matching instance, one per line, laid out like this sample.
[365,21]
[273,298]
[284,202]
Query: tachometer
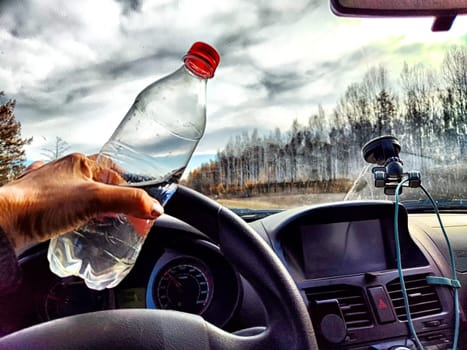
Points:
[184,284]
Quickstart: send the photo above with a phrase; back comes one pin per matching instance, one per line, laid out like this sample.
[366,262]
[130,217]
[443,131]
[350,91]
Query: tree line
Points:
[426,109]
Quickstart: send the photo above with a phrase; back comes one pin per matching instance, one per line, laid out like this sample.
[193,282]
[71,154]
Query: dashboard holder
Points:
[384,151]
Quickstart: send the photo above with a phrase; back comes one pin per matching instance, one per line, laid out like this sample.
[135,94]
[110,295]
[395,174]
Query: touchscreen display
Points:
[343,248]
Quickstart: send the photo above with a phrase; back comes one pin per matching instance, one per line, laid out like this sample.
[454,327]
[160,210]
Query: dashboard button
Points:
[381,304]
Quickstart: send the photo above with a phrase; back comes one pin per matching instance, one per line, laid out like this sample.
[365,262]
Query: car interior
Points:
[355,274]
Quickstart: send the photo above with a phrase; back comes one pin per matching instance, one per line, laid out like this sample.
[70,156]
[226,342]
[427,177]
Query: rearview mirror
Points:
[445,11]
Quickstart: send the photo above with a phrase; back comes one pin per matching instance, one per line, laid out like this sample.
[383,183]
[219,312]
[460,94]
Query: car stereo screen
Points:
[343,248]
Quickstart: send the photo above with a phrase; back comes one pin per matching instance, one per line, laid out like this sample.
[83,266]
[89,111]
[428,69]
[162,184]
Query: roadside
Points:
[281,201]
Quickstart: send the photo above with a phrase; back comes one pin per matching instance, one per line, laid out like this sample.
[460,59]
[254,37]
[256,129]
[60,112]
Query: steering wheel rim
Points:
[289,325]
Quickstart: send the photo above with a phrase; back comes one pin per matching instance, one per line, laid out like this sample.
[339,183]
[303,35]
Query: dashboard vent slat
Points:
[423,299]
[351,302]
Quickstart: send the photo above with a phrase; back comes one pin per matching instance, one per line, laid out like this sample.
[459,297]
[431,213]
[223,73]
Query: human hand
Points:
[57,197]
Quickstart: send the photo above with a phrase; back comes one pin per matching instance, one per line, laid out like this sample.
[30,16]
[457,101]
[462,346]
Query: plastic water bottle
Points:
[151,148]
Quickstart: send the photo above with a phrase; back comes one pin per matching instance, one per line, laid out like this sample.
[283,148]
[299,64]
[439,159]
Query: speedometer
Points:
[184,284]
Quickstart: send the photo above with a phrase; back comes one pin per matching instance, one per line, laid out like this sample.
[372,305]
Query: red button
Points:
[382,305]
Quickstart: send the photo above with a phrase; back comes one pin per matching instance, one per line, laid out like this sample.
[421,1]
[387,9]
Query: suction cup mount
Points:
[384,151]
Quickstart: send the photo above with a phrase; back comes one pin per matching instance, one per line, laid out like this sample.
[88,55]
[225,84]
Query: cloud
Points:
[76,68]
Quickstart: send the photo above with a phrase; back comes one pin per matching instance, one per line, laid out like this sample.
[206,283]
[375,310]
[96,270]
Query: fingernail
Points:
[157,209]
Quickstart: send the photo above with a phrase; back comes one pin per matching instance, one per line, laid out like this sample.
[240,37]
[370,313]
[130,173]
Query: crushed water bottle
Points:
[150,149]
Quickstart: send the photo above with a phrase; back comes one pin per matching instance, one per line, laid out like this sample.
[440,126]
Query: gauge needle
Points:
[174,280]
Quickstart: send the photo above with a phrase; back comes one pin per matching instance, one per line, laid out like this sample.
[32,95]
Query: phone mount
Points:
[384,151]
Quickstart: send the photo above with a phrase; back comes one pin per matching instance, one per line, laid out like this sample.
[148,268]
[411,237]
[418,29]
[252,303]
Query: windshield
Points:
[297,94]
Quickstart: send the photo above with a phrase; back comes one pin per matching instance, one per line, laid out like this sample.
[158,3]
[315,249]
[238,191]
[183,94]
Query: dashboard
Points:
[341,256]
[343,259]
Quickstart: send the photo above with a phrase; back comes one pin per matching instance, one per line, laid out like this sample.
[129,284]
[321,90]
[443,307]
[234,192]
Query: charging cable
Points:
[453,283]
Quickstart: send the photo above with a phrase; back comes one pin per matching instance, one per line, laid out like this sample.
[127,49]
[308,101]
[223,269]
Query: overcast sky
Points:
[75,67]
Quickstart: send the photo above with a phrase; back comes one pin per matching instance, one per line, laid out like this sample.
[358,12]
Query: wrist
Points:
[9,206]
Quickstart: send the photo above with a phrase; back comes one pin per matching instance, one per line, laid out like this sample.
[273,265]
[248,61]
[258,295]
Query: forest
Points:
[426,109]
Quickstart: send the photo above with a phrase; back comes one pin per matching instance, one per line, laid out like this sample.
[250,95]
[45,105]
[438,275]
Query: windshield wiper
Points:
[443,205]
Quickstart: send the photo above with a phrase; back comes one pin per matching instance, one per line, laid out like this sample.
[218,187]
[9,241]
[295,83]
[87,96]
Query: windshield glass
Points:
[297,94]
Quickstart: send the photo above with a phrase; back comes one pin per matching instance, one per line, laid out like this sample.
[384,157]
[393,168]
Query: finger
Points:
[35,165]
[142,226]
[103,162]
[107,176]
[126,200]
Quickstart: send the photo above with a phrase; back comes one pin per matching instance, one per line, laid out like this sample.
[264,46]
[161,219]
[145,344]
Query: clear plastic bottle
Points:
[151,148]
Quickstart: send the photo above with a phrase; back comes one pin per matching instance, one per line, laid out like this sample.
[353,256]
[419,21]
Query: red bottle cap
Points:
[202,59]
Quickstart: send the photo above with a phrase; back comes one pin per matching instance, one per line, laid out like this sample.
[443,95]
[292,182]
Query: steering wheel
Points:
[289,326]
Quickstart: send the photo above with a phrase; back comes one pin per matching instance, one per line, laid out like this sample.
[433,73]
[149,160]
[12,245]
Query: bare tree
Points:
[455,75]
[57,150]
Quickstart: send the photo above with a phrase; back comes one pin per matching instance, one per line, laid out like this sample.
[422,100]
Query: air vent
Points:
[423,299]
[351,302]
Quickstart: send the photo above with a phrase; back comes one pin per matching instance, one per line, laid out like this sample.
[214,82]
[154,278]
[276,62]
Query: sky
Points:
[75,67]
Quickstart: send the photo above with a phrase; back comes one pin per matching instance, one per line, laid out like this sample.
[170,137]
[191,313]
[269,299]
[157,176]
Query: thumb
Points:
[127,200]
